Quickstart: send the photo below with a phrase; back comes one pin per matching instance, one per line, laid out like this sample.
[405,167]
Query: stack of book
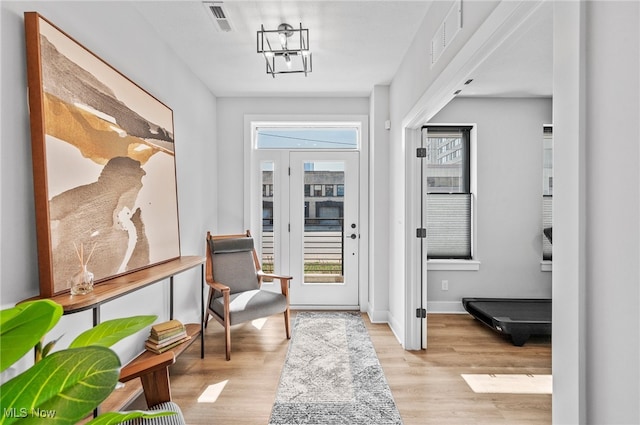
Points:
[165,336]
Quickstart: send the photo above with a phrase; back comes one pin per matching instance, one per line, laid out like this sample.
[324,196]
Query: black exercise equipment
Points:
[517,317]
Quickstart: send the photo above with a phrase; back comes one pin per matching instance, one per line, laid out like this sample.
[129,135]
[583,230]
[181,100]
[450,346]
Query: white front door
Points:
[324,234]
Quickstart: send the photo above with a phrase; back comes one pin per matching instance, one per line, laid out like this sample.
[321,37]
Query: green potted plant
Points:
[65,386]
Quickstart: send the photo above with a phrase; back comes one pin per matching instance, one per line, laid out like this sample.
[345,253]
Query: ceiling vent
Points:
[448,30]
[219,15]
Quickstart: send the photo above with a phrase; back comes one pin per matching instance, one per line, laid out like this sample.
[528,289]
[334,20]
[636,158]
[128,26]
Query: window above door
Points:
[303,136]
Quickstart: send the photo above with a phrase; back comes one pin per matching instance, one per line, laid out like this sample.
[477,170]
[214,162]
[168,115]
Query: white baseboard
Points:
[325,307]
[385,316]
[377,316]
[396,328]
[445,307]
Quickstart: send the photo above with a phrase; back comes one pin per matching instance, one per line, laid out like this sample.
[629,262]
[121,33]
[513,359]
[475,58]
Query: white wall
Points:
[613,205]
[596,328]
[379,172]
[568,281]
[508,202]
[117,33]
[230,160]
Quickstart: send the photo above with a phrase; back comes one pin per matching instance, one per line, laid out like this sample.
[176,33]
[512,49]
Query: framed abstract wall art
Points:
[103,164]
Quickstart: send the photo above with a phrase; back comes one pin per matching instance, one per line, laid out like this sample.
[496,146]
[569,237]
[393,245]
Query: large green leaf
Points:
[108,333]
[64,387]
[22,327]
[111,418]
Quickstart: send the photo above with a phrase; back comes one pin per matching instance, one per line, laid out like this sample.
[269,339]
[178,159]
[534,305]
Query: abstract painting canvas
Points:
[103,164]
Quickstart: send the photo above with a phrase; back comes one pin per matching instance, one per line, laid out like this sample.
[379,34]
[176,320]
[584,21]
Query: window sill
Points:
[546,265]
[453,265]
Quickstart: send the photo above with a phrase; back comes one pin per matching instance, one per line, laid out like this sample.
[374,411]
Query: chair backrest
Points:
[233,262]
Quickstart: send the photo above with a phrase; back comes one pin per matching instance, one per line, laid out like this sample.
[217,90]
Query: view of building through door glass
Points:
[323,222]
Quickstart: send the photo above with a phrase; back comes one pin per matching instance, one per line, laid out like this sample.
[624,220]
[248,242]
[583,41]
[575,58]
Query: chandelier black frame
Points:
[286,54]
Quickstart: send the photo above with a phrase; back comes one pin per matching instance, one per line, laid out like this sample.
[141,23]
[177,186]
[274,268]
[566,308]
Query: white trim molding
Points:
[445,307]
[453,265]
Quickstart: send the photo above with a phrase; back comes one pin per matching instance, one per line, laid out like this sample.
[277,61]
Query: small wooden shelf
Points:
[122,397]
[193,330]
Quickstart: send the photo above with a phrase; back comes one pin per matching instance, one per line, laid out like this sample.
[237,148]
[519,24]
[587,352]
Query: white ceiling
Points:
[355,45]
[523,65]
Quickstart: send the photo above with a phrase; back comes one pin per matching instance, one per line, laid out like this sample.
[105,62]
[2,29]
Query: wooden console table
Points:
[117,287]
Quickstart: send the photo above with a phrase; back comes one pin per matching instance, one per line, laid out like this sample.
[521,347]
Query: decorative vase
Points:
[82,282]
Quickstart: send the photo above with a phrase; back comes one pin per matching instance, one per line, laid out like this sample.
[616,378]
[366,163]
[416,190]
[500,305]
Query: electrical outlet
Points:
[445,285]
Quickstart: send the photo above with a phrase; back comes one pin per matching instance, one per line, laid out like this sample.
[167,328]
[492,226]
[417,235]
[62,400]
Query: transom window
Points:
[316,137]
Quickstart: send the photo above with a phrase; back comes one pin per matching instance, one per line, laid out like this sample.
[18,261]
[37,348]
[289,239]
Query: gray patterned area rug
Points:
[332,375]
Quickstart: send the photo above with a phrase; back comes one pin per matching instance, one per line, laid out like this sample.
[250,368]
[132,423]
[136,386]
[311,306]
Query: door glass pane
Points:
[268,254]
[323,223]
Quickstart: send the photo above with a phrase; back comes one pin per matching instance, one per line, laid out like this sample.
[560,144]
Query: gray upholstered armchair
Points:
[234,276]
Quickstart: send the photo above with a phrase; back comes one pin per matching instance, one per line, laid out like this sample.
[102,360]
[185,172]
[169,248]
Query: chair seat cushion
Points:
[250,305]
[177,419]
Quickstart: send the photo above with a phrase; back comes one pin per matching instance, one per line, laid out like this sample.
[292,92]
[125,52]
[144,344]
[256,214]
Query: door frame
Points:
[252,181]
[415,331]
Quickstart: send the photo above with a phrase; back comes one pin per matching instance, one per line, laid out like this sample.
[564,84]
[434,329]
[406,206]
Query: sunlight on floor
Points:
[509,383]
[212,392]
[259,323]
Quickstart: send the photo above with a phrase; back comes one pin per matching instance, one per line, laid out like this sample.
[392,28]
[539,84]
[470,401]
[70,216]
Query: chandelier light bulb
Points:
[283,40]
[284,32]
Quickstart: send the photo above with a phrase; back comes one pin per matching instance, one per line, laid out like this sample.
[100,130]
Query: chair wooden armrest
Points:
[154,375]
[284,280]
[224,290]
[218,286]
[273,276]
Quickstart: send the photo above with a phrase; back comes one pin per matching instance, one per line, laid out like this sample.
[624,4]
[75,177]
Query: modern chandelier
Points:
[285,50]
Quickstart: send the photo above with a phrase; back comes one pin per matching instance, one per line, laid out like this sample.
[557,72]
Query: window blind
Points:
[547,189]
[449,225]
[547,221]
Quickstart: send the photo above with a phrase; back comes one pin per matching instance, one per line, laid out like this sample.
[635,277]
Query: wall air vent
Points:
[218,15]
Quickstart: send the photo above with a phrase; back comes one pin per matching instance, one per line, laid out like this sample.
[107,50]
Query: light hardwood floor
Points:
[426,385]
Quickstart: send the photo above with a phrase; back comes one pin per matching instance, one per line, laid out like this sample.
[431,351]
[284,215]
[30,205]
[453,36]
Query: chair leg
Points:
[227,335]
[207,313]
[287,323]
